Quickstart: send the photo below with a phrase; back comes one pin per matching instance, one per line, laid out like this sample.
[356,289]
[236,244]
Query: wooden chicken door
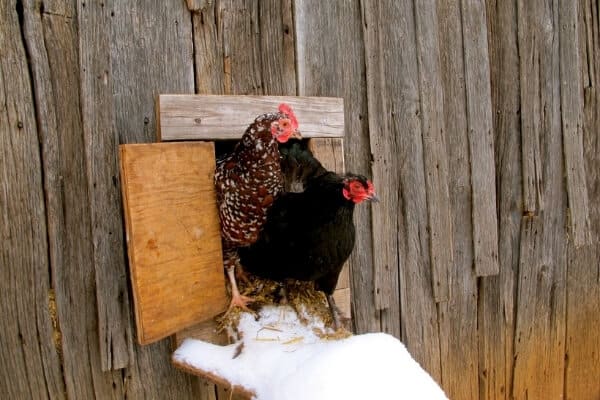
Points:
[171,216]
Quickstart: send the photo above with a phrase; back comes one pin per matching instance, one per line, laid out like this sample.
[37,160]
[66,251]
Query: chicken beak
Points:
[374,198]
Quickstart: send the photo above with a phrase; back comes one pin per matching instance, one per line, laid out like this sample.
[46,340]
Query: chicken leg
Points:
[339,321]
[237,299]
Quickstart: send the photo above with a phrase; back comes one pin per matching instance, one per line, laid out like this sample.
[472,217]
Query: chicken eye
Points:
[284,124]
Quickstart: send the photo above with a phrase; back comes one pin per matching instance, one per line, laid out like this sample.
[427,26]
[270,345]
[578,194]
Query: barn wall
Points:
[478,121]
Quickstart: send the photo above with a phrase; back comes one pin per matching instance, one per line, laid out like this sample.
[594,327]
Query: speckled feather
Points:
[247,182]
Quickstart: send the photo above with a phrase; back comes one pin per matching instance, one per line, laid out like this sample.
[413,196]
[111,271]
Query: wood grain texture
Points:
[105,74]
[541,291]
[496,302]
[583,320]
[583,275]
[208,58]
[481,140]
[571,95]
[458,316]
[31,362]
[531,69]
[173,236]
[335,67]
[399,162]
[226,117]
[539,335]
[434,147]
[233,37]
[100,149]
[384,228]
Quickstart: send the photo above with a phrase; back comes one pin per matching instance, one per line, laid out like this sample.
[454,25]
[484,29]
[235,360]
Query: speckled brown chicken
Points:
[247,182]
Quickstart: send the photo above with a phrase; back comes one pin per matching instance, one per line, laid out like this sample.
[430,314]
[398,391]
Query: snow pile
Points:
[282,359]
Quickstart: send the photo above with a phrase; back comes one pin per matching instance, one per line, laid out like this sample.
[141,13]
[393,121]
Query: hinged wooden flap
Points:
[173,236]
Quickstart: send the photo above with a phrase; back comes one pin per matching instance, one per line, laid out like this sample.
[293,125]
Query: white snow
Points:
[282,359]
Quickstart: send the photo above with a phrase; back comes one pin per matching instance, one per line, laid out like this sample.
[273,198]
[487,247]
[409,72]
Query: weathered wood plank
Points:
[541,298]
[539,334]
[434,147]
[529,337]
[239,27]
[330,62]
[582,367]
[481,140]
[226,117]
[54,67]
[583,276]
[531,40]
[277,50]
[571,94]
[100,143]
[458,316]
[173,236]
[208,57]
[399,163]
[31,366]
[385,260]
[497,293]
[134,37]
[168,47]
[232,38]
[117,106]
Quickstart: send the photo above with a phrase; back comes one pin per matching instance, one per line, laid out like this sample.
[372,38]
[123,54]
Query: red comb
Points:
[286,109]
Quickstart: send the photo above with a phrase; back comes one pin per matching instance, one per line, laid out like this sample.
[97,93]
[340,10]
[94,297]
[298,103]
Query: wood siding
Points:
[479,122]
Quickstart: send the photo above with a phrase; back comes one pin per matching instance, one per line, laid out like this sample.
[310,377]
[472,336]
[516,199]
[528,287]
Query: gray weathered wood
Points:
[583,275]
[277,50]
[232,38]
[571,94]
[208,58]
[385,262]
[539,334]
[137,34]
[481,140]
[582,324]
[399,163]
[330,62]
[100,141]
[496,293]
[530,42]
[210,117]
[31,365]
[541,296]
[458,316]
[434,147]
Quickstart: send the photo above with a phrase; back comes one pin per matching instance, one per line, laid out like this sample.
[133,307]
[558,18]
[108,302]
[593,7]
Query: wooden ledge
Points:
[211,117]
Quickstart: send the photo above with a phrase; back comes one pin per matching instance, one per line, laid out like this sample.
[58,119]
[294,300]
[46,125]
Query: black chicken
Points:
[308,236]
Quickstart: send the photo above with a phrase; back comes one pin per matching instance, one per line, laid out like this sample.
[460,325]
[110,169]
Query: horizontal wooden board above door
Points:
[211,117]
